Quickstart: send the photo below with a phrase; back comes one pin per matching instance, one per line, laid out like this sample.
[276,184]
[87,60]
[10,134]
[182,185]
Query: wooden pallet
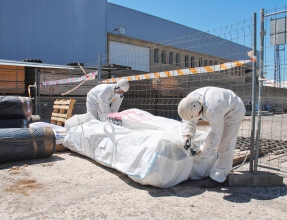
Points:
[62,111]
[240,156]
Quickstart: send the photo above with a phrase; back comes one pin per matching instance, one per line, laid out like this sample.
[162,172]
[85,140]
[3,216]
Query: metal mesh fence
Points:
[272,135]
[162,73]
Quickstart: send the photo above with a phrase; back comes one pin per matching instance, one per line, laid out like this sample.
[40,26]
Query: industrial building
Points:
[99,34]
[62,32]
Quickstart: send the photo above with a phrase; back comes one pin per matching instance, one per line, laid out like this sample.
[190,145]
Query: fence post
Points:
[36,90]
[253,96]
[262,35]
[99,68]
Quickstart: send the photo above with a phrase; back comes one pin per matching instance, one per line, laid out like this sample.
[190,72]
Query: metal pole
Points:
[39,95]
[262,35]
[253,96]
[36,91]
[275,13]
[99,68]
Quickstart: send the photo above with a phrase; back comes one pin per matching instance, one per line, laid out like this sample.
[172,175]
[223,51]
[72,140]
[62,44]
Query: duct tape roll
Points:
[13,107]
[13,123]
[26,143]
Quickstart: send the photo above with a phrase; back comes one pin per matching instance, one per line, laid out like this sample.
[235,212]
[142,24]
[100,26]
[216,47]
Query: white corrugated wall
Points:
[136,57]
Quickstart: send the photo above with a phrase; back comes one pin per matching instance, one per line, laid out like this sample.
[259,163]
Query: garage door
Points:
[136,57]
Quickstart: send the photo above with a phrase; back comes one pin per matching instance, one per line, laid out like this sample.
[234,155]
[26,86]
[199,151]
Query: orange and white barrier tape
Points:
[156,75]
[89,76]
[183,72]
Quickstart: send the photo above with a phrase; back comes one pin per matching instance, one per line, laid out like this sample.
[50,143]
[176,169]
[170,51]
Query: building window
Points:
[163,57]
[177,59]
[210,62]
[155,55]
[200,62]
[170,58]
[235,71]
[186,59]
[192,62]
[215,63]
[205,63]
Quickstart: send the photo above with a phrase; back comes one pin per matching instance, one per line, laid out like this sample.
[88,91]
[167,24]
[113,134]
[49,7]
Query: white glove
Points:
[198,152]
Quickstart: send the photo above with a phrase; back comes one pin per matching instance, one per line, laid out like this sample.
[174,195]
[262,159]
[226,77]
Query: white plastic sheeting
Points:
[147,148]
[60,132]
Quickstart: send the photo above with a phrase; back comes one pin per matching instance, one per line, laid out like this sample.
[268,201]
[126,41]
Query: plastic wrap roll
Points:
[14,123]
[26,143]
[19,123]
[13,107]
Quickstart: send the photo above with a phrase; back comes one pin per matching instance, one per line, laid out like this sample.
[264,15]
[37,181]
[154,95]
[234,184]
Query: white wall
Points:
[136,57]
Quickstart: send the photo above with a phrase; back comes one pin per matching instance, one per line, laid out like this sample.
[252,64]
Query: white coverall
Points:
[224,111]
[102,100]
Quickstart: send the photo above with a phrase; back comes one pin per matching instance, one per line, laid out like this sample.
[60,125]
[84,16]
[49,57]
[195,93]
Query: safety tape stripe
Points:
[236,63]
[223,66]
[156,75]
[167,73]
[193,70]
[181,72]
[146,76]
[70,80]
[217,68]
[209,69]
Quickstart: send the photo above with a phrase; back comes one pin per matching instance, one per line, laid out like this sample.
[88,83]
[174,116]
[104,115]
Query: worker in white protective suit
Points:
[224,111]
[104,99]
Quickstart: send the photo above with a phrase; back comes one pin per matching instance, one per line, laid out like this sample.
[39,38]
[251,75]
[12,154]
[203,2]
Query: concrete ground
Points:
[70,186]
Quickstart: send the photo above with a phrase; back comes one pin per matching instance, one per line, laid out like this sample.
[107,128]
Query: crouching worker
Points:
[104,99]
[224,111]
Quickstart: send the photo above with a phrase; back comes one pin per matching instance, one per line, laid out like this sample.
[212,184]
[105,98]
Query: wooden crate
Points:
[12,76]
[12,87]
[12,79]
[62,111]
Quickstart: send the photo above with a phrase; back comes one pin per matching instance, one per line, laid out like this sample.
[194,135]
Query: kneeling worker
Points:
[104,99]
[224,111]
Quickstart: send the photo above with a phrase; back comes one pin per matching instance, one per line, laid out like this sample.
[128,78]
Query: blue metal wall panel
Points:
[150,28]
[55,31]
[64,31]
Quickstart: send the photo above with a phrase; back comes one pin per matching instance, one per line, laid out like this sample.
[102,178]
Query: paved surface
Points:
[70,186]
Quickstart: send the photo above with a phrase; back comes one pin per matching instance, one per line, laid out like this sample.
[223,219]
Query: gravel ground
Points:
[70,186]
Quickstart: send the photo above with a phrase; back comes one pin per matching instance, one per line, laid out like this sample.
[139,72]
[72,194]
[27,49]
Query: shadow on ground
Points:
[8,165]
[246,194]
[190,188]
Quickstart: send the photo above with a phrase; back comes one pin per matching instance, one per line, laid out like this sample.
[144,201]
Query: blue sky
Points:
[209,15]
[203,15]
